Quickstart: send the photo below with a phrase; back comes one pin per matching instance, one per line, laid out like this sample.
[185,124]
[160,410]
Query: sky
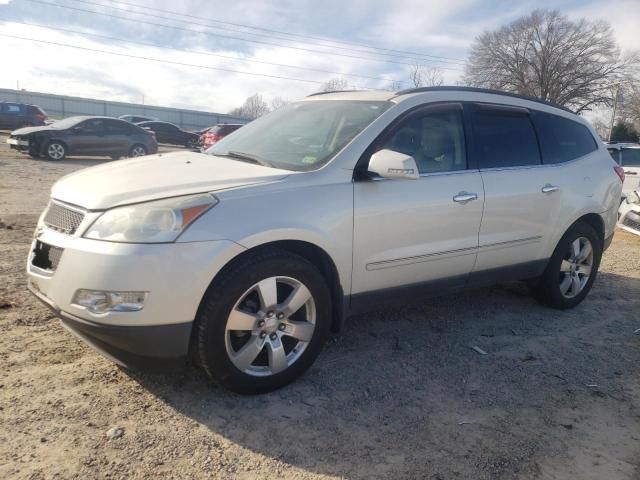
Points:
[211,55]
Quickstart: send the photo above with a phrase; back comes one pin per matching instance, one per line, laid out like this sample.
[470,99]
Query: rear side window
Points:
[562,140]
[114,127]
[504,138]
[11,108]
[631,157]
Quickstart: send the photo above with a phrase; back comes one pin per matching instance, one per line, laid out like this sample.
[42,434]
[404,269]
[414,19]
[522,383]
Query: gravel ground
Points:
[399,394]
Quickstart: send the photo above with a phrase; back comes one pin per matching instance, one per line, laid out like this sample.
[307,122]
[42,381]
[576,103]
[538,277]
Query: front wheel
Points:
[263,322]
[572,268]
[56,151]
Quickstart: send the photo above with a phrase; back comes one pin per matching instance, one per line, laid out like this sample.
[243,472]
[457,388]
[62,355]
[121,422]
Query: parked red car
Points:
[218,132]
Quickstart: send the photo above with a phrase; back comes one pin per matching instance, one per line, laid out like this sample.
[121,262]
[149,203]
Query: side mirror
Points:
[390,164]
[76,130]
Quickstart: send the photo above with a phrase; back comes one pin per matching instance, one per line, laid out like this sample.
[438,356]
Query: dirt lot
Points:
[399,394]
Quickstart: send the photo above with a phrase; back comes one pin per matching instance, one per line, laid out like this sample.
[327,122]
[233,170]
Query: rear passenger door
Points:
[522,196]
[116,137]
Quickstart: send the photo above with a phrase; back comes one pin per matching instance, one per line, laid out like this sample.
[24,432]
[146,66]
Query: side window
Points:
[562,140]
[12,109]
[434,138]
[631,157]
[614,152]
[116,128]
[504,138]
[92,127]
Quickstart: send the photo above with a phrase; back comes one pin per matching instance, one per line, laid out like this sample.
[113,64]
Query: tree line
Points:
[545,54]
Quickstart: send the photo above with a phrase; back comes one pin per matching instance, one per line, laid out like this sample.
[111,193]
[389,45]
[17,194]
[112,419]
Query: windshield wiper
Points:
[247,157]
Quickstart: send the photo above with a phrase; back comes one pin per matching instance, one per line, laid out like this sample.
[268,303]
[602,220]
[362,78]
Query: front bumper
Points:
[156,347]
[174,275]
[18,144]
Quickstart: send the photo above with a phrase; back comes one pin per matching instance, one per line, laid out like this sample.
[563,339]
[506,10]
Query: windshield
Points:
[300,136]
[67,122]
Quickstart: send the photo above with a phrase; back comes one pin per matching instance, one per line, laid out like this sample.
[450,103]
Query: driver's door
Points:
[415,231]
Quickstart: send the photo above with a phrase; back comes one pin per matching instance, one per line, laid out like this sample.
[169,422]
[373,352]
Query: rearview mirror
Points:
[390,164]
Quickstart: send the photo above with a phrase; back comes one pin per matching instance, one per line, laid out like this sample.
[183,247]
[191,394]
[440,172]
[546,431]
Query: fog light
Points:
[97,301]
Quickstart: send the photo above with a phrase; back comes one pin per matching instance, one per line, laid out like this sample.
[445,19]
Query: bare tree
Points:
[253,107]
[546,55]
[278,102]
[333,84]
[425,76]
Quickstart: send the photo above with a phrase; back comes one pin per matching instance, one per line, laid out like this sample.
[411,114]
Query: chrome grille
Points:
[63,219]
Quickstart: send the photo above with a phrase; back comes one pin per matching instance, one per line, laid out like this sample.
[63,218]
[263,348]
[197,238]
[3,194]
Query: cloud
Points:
[437,28]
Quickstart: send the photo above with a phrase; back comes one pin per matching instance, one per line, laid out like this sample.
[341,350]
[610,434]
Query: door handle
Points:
[629,172]
[550,188]
[465,197]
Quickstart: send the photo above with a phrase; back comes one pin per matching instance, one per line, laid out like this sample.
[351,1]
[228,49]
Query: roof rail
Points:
[483,90]
[334,91]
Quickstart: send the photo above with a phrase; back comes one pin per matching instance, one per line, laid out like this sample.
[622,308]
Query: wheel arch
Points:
[45,141]
[310,252]
[595,221]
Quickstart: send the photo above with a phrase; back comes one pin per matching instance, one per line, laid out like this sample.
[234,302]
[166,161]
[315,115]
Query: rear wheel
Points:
[263,322]
[56,151]
[193,143]
[137,151]
[572,269]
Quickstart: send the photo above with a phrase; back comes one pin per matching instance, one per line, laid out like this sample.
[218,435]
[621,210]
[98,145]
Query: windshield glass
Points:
[300,136]
[67,122]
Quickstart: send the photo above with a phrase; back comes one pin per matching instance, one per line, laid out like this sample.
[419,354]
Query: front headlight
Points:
[151,222]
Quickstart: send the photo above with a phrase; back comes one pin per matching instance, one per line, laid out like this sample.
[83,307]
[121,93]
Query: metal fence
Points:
[61,106]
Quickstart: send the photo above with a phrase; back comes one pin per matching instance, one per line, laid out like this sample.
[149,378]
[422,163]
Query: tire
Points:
[565,283]
[55,150]
[137,151]
[219,339]
[193,143]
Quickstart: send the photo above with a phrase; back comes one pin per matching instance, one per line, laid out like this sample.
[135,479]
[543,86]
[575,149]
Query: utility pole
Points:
[615,107]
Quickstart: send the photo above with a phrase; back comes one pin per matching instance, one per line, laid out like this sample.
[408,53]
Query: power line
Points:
[174,27]
[171,62]
[155,45]
[395,53]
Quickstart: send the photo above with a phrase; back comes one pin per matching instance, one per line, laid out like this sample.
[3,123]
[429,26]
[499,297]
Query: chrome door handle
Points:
[629,172]
[550,188]
[465,197]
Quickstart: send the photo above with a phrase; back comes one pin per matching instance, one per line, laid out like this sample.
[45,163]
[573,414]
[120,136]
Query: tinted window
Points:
[116,128]
[504,138]
[562,139]
[435,139]
[614,152]
[631,157]
[12,108]
[93,126]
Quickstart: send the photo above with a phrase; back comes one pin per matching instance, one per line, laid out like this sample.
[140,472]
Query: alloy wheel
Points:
[270,326]
[575,268]
[55,151]
[138,151]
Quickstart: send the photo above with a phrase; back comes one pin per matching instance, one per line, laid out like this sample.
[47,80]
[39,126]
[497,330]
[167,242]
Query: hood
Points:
[29,130]
[158,176]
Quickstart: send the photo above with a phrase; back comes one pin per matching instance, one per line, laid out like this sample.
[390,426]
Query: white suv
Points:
[246,257]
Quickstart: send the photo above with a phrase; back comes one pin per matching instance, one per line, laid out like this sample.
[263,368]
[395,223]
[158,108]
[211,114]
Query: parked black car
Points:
[17,115]
[136,118]
[87,136]
[169,133]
